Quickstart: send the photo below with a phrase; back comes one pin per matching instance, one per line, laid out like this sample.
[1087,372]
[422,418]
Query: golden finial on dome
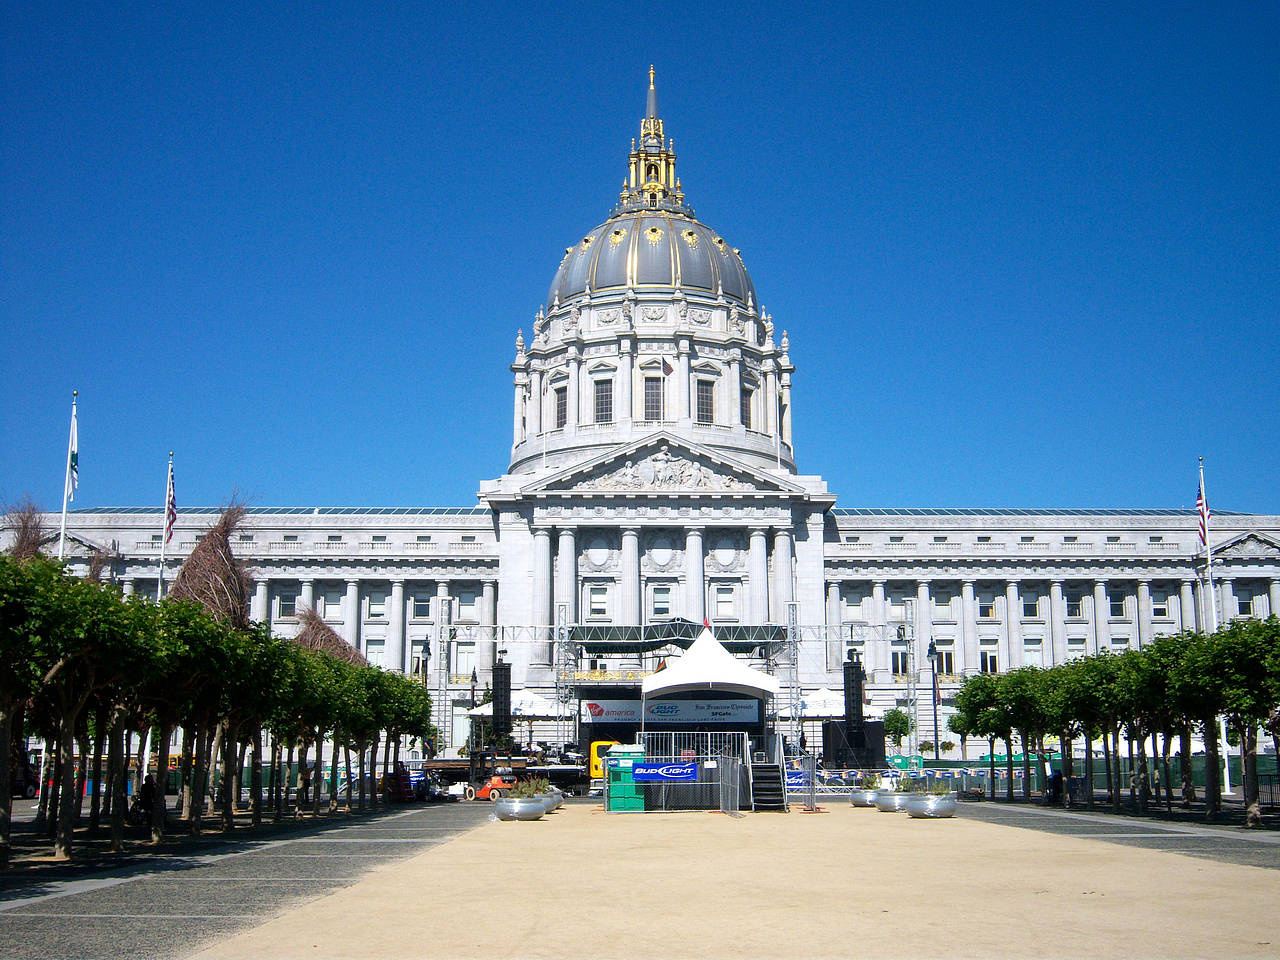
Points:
[651,76]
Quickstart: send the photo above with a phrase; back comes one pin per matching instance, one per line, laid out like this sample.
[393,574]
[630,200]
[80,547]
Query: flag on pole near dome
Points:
[73,457]
[170,508]
[1202,508]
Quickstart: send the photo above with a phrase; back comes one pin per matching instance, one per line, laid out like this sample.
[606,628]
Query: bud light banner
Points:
[797,779]
[664,772]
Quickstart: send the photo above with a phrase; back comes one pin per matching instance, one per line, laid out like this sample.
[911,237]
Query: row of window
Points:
[654,402]
[328,604]
[723,601]
[989,654]
[986,538]
[1035,606]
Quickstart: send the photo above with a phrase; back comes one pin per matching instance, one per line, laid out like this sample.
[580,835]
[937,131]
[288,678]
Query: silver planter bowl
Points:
[519,808]
[863,798]
[890,801]
[933,806]
[549,801]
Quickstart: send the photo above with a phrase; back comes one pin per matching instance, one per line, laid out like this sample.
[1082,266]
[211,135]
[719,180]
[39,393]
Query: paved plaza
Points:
[1015,881]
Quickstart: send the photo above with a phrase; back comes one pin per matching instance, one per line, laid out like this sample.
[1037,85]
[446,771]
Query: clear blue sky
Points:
[1028,254]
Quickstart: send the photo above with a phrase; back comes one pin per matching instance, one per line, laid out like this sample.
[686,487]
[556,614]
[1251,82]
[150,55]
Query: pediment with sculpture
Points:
[1250,546]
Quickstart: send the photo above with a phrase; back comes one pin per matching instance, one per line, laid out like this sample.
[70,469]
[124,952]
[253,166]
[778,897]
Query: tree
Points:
[897,724]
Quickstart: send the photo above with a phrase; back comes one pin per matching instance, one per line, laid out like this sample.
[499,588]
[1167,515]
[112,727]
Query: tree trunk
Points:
[374,792]
[1249,770]
[214,769]
[1068,766]
[1088,770]
[302,792]
[1212,776]
[1008,767]
[1185,772]
[115,784]
[95,805]
[82,774]
[68,802]
[346,759]
[6,787]
[1026,765]
[386,758]
[160,809]
[333,772]
[55,788]
[286,777]
[255,779]
[142,760]
[1168,773]
[230,751]
[184,770]
[317,774]
[273,800]
[195,801]
[361,764]
[1144,782]
[1115,748]
[47,762]
[1106,759]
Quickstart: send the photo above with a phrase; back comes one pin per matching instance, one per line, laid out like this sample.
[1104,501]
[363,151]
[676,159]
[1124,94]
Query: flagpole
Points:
[164,526]
[1208,555]
[66,477]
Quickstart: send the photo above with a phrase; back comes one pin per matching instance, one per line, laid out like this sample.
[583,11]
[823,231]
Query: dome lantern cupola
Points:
[651,182]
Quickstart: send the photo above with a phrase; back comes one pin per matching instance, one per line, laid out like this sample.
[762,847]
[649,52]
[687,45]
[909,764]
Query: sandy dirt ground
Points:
[845,883]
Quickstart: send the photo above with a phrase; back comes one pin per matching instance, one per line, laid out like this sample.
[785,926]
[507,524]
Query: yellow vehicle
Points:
[598,749]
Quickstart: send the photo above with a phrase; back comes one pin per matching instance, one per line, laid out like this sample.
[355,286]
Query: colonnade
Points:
[1070,616]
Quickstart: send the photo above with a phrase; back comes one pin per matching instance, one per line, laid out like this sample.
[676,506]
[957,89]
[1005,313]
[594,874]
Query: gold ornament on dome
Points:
[615,238]
[691,239]
[586,242]
[653,235]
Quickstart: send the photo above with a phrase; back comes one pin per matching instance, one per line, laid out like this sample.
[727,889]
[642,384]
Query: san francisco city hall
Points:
[653,479]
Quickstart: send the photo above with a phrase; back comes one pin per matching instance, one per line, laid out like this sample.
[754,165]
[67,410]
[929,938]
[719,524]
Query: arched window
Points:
[651,171]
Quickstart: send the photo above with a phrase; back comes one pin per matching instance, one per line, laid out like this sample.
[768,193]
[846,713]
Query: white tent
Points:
[822,703]
[527,705]
[707,665]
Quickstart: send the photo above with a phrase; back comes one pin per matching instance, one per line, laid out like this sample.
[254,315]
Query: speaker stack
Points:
[501,698]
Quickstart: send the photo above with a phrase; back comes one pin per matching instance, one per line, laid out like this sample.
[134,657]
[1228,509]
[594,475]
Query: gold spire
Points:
[651,175]
[651,76]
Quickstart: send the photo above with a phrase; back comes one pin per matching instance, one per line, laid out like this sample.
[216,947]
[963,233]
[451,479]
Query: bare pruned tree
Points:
[24,522]
[212,575]
[317,635]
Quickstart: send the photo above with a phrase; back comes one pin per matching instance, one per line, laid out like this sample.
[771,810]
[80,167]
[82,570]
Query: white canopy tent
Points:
[707,665]
[820,705]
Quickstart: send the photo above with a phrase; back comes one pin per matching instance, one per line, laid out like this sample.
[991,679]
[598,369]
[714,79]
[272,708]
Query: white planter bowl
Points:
[890,801]
[863,798]
[932,806]
[519,808]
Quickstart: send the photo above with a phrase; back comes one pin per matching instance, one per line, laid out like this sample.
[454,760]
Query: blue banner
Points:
[797,778]
[664,772]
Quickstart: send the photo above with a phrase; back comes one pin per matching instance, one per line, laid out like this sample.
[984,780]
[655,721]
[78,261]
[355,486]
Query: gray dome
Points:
[652,251]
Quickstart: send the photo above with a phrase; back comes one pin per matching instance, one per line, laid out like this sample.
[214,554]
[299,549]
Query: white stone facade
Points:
[652,476]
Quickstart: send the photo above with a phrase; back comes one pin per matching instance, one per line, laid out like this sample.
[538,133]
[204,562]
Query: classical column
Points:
[535,401]
[1142,616]
[629,588]
[487,648]
[695,580]
[924,618]
[1057,622]
[834,655]
[444,617]
[1101,610]
[1187,607]
[1274,596]
[782,588]
[735,388]
[1228,595]
[877,602]
[758,576]
[567,573]
[542,594]
[624,388]
[785,407]
[770,398]
[518,408]
[261,606]
[126,590]
[575,366]
[1013,623]
[397,649]
[968,625]
[351,617]
[307,594]
[682,384]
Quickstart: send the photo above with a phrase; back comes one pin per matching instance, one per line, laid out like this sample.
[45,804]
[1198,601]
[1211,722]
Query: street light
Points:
[933,665]
[471,729]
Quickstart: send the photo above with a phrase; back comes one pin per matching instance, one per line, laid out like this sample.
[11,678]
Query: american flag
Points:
[1202,508]
[170,508]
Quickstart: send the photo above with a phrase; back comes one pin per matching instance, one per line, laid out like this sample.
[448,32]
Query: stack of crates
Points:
[621,792]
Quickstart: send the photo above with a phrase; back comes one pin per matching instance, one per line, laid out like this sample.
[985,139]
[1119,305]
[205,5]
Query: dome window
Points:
[691,239]
[615,238]
[586,242]
[653,235]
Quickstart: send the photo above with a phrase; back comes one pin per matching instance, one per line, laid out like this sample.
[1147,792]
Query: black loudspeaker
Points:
[860,748]
[501,699]
[854,678]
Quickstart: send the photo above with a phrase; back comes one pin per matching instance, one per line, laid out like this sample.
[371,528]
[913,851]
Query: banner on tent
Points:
[671,711]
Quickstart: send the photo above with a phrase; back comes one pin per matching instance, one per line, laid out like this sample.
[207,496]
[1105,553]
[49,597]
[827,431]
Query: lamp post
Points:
[933,665]
[471,728]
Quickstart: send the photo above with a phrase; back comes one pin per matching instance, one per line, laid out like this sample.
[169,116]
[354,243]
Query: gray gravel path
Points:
[172,906]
